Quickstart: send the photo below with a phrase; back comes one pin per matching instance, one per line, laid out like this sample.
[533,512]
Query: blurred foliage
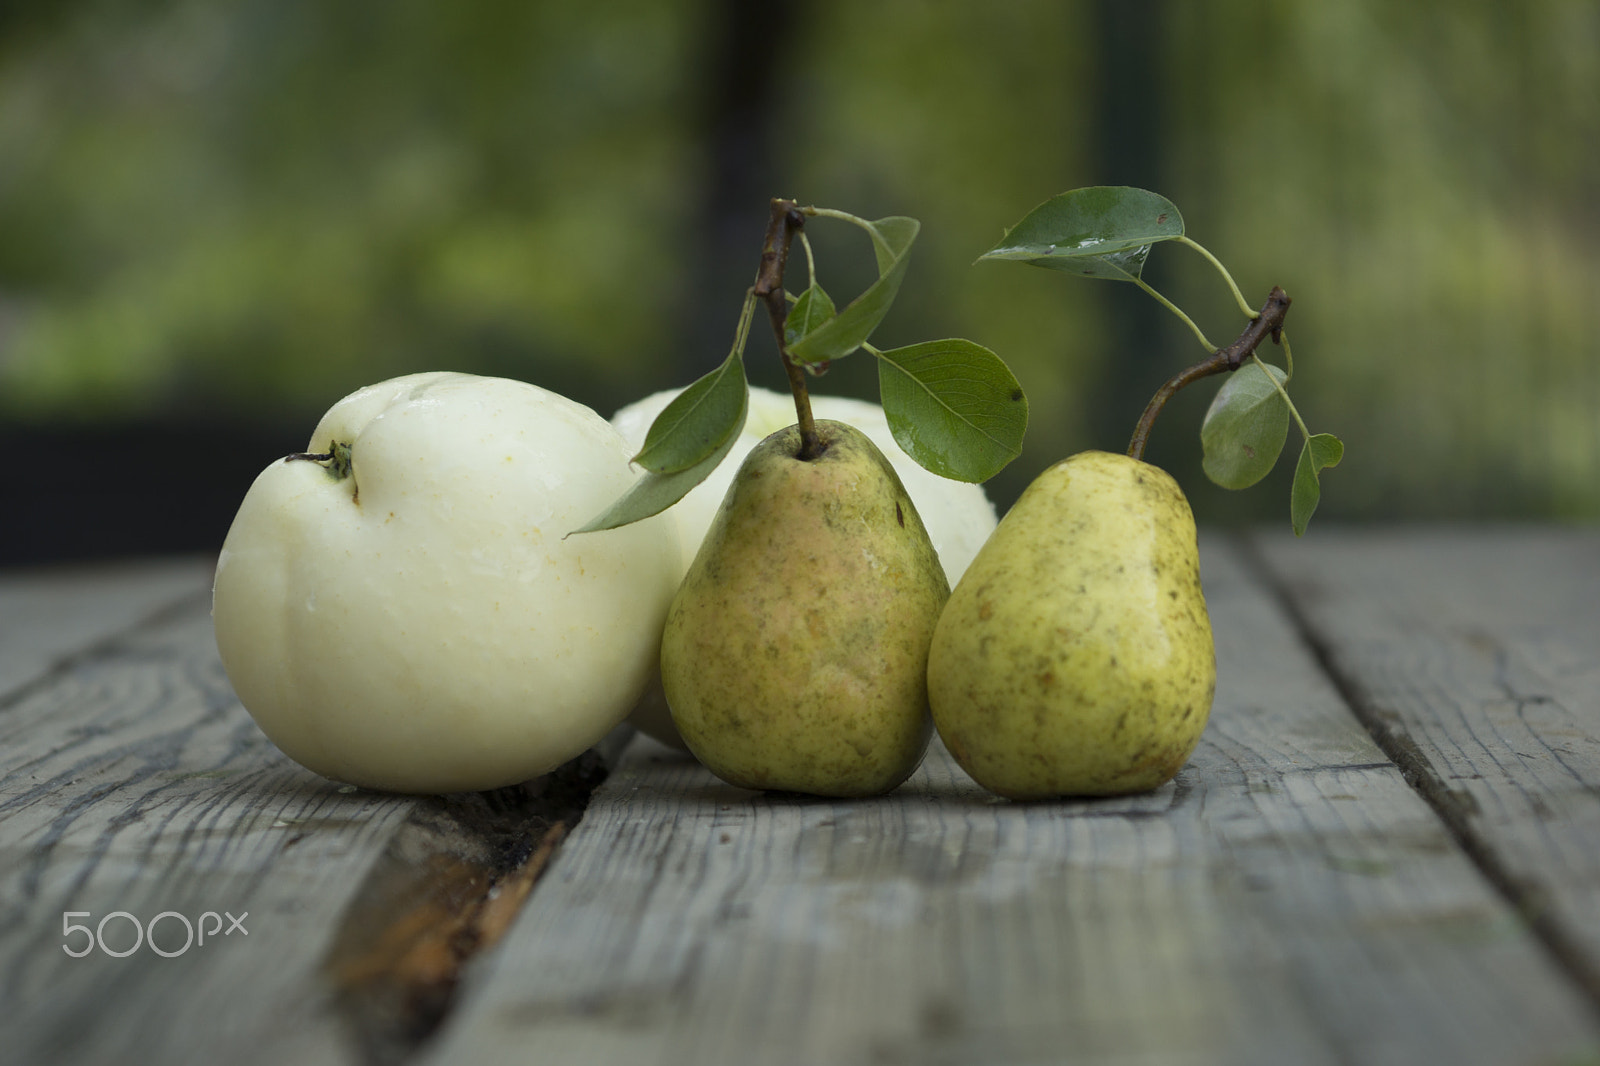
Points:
[270,202]
[1422,176]
[253,206]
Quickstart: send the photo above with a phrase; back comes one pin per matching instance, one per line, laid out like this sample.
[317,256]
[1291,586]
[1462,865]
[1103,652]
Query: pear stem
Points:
[1223,361]
[786,220]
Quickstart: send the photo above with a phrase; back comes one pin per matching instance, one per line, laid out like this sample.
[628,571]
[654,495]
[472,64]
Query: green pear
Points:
[796,650]
[1075,656]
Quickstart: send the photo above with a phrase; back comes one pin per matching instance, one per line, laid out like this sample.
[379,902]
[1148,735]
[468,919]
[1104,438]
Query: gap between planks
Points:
[1221,741]
[1457,808]
[447,887]
[131,779]
[1289,898]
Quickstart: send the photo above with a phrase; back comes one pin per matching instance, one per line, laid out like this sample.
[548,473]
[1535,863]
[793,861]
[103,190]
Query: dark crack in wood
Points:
[448,886]
[1456,808]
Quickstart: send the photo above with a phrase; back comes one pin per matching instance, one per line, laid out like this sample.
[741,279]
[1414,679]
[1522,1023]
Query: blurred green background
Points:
[219,216]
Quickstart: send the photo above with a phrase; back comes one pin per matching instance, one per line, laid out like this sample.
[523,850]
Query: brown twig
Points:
[337,457]
[785,222]
[1223,361]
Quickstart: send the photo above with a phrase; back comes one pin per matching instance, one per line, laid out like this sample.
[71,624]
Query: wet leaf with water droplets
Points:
[1104,231]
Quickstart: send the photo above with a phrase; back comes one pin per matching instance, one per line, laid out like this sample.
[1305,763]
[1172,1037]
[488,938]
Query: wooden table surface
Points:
[1385,850]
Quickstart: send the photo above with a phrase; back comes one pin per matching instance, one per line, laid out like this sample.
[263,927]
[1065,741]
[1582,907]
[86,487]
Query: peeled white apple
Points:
[958,516]
[421,625]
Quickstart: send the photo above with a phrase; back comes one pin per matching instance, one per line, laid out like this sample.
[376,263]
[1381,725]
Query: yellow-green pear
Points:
[1075,655]
[795,652]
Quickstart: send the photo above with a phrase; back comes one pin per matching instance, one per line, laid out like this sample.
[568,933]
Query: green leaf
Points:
[812,309]
[698,420]
[1321,451]
[892,238]
[1245,427]
[849,329]
[654,493]
[1104,231]
[954,407]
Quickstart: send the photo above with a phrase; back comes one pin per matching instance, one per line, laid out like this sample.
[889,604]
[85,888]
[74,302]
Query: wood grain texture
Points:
[135,782]
[1474,656]
[52,612]
[448,885]
[132,780]
[1288,899]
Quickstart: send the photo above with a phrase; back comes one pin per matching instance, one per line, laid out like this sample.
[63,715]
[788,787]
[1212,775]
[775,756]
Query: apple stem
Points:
[786,220]
[337,459]
[1222,361]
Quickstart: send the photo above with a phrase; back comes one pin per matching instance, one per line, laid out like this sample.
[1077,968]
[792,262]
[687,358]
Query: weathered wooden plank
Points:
[131,780]
[1474,655]
[135,782]
[1288,899]
[53,612]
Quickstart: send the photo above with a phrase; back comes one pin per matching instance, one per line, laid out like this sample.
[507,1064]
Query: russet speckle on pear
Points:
[1075,655]
[795,652]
